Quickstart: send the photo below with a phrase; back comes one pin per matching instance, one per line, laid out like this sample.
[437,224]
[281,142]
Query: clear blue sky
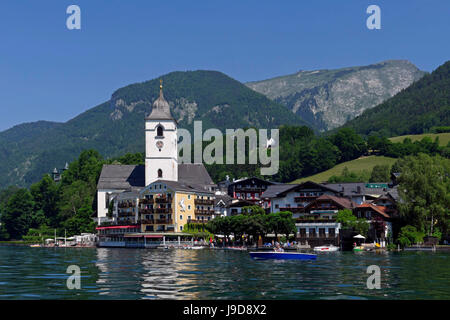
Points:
[48,72]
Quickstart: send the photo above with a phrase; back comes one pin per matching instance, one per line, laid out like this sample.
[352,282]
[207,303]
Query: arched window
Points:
[159,173]
[159,131]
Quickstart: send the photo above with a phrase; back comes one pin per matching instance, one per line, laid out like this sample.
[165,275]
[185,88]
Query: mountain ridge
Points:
[414,110]
[328,98]
[116,126]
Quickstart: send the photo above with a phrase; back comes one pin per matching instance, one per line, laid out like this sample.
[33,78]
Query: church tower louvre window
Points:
[159,131]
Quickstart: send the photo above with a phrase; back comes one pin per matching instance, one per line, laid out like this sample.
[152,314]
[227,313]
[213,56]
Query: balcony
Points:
[314,219]
[125,222]
[163,200]
[146,211]
[163,221]
[203,212]
[249,189]
[304,198]
[162,210]
[125,205]
[147,221]
[293,209]
[196,221]
[126,214]
[207,202]
[147,201]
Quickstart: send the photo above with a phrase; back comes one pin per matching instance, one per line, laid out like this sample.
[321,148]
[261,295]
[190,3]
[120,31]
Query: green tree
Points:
[74,197]
[18,216]
[349,221]
[350,144]
[424,187]
[346,218]
[287,223]
[380,173]
[86,168]
[80,222]
[46,196]
[409,235]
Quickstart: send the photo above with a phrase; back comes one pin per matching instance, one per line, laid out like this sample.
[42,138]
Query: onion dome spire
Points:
[161,108]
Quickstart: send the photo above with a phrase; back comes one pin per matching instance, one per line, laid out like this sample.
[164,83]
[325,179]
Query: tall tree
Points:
[424,187]
[18,216]
[380,173]
[350,144]
[46,196]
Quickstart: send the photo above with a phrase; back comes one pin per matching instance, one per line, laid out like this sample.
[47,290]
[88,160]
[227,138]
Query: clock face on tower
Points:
[159,144]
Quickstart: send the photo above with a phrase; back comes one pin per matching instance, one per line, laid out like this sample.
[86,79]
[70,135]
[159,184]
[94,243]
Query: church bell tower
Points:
[161,153]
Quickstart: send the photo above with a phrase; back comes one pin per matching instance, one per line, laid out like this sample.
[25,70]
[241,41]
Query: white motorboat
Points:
[326,248]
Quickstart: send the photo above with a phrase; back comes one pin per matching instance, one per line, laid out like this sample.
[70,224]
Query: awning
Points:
[153,236]
[359,237]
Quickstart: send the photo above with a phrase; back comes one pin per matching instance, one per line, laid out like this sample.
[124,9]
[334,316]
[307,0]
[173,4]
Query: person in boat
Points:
[278,248]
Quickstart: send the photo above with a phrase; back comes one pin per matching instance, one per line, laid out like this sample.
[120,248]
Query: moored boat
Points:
[330,248]
[282,255]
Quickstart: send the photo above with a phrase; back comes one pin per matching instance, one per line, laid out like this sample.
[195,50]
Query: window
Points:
[181,217]
[322,232]
[189,207]
[331,232]
[189,197]
[189,217]
[277,206]
[368,214]
[159,131]
[159,175]
[312,232]
[106,200]
[181,228]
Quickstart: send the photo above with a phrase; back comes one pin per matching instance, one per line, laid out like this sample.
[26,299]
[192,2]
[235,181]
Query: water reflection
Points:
[39,273]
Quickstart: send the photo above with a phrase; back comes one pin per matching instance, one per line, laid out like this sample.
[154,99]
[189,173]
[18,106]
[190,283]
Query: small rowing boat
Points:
[330,248]
[282,255]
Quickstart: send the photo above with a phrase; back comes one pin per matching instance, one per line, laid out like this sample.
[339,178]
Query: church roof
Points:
[160,108]
[125,177]
[194,173]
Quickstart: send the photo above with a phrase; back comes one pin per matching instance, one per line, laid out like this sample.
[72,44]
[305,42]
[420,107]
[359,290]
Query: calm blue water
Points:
[40,273]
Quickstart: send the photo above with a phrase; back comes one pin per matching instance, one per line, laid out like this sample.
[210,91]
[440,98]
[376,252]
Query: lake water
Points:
[40,273]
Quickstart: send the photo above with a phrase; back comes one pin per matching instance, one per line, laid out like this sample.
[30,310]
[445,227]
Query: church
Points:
[160,196]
